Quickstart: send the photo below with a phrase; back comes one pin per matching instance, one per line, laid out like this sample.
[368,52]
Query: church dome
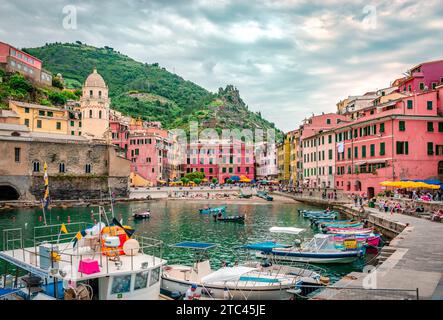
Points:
[95,80]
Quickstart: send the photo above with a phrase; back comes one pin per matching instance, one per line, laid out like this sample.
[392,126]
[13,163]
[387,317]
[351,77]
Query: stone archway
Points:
[8,192]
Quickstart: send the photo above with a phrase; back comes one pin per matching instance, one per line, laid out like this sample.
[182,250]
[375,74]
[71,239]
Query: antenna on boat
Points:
[112,201]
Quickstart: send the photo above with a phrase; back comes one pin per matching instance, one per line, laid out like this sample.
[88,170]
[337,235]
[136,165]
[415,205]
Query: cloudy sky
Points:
[289,59]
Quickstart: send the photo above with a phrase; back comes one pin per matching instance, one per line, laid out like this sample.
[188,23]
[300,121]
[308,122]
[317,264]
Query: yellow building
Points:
[283,160]
[40,118]
[294,141]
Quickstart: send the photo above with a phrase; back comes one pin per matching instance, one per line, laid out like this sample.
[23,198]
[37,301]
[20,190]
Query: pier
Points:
[410,266]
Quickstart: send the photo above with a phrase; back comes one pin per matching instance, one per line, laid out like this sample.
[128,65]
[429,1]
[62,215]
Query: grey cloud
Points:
[278,53]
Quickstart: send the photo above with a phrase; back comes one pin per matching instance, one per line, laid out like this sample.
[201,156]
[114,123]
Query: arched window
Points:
[61,167]
[90,113]
[88,168]
[36,166]
[90,93]
[100,114]
[99,94]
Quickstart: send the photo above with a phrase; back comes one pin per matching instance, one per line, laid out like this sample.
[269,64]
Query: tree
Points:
[184,180]
[195,175]
[197,181]
[57,98]
[56,82]
[18,82]
[214,180]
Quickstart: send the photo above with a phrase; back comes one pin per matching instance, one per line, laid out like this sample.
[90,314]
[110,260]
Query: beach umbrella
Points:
[235,178]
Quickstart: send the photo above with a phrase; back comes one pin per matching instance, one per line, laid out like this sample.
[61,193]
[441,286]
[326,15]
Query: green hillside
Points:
[148,90]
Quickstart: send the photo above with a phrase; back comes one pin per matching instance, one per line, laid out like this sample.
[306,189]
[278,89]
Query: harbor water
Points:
[174,221]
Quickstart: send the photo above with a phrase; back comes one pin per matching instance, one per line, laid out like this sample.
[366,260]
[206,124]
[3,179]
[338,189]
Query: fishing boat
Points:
[354,224]
[245,196]
[141,215]
[348,231]
[320,249]
[264,195]
[241,282]
[76,261]
[335,223]
[371,239]
[224,218]
[213,210]
[322,217]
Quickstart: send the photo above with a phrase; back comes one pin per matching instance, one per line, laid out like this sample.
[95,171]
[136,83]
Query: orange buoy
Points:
[69,219]
[39,218]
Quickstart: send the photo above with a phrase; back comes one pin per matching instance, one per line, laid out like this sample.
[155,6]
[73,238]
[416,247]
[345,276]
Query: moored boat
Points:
[142,215]
[320,249]
[76,262]
[348,231]
[239,282]
[213,210]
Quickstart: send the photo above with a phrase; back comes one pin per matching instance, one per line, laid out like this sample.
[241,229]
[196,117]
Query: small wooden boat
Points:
[212,210]
[264,195]
[348,231]
[142,215]
[229,218]
[342,225]
[326,216]
[245,196]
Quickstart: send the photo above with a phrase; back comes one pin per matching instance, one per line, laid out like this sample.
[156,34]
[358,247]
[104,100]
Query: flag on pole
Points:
[63,229]
[78,236]
[46,192]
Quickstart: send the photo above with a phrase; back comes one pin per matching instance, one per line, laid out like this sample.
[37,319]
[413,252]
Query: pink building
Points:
[15,60]
[399,139]
[221,159]
[146,146]
[423,77]
[318,145]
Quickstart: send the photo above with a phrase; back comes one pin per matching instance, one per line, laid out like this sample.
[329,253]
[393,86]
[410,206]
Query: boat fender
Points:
[324,280]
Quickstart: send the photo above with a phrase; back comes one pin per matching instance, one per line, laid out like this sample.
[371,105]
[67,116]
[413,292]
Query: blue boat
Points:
[264,195]
[323,216]
[213,210]
[341,225]
[321,249]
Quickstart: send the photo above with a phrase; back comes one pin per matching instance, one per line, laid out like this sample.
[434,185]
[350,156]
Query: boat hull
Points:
[319,258]
[217,292]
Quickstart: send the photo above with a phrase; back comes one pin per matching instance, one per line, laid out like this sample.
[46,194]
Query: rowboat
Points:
[223,218]
[326,216]
[320,215]
[320,249]
[264,195]
[341,225]
[213,210]
[353,231]
[142,215]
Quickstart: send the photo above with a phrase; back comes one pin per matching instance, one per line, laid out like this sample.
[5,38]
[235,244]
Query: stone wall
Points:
[67,187]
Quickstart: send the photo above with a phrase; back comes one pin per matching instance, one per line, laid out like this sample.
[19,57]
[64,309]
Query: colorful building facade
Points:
[400,139]
[15,60]
[221,159]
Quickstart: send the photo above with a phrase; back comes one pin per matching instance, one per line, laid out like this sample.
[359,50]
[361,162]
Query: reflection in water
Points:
[175,221]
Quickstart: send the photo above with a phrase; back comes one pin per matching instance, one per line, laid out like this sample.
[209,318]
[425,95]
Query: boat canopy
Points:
[288,230]
[226,274]
[194,245]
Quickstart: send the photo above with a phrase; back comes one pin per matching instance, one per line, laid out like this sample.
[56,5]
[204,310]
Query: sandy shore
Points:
[253,200]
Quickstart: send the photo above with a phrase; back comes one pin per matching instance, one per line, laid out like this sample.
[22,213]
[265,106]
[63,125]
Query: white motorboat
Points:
[320,249]
[242,282]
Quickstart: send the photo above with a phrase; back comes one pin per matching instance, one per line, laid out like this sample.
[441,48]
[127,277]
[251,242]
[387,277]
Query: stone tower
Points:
[94,105]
